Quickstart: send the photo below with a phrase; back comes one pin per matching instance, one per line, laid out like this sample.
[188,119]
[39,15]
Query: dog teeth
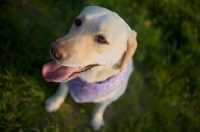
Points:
[89,68]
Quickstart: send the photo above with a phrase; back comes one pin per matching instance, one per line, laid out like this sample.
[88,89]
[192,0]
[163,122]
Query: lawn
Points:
[163,92]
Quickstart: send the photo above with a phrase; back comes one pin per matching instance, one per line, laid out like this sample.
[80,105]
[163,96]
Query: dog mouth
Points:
[54,72]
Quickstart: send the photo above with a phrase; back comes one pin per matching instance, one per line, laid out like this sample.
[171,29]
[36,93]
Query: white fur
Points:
[96,20]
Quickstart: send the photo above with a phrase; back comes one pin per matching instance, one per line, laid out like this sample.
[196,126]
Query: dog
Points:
[93,62]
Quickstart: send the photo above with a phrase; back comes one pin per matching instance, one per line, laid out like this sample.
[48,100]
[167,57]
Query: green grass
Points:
[163,92]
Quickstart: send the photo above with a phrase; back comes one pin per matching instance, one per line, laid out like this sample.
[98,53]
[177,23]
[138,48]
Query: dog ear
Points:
[131,48]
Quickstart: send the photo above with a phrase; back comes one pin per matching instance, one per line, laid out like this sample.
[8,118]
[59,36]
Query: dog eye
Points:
[78,22]
[101,39]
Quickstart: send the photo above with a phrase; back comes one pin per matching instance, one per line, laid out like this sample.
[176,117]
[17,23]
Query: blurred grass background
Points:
[163,92]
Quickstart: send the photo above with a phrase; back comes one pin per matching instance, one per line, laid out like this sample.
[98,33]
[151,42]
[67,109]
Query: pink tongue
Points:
[53,72]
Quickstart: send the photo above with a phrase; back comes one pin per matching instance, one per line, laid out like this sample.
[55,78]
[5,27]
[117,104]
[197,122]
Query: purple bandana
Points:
[84,92]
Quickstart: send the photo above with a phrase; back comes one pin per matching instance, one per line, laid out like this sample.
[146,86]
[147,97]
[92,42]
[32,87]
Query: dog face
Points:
[99,40]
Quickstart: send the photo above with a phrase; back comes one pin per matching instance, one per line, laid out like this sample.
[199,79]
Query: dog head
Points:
[98,40]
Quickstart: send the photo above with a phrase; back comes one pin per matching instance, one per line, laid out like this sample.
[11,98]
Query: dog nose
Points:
[58,52]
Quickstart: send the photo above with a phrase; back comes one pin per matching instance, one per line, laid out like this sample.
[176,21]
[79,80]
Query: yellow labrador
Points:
[92,62]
